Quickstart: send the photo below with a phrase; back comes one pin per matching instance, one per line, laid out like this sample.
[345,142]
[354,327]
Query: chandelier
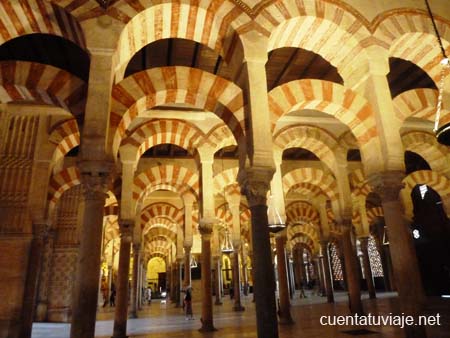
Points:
[227,246]
[276,223]
[442,132]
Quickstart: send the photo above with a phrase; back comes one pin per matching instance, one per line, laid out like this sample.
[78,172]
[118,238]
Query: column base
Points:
[372,296]
[286,321]
[238,308]
[330,299]
[218,302]
[207,326]
[133,315]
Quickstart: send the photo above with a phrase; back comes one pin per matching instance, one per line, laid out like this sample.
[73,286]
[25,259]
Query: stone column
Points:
[244,271]
[187,265]
[236,277]
[217,280]
[255,186]
[351,270]
[84,305]
[42,303]
[205,228]
[285,304]
[319,276]
[134,290]
[121,310]
[180,260]
[301,267]
[32,280]
[364,241]
[403,254]
[328,280]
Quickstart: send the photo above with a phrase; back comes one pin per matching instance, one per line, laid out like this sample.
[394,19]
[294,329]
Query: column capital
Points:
[205,227]
[364,241]
[95,176]
[387,184]
[255,184]
[41,229]
[126,228]
[187,249]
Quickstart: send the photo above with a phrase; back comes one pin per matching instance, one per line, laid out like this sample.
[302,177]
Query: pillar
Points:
[187,265]
[32,280]
[244,271]
[403,255]
[319,274]
[217,280]
[255,186]
[84,305]
[42,302]
[364,241]
[236,277]
[121,310]
[351,271]
[180,260]
[328,280]
[135,286]
[283,291]
[205,228]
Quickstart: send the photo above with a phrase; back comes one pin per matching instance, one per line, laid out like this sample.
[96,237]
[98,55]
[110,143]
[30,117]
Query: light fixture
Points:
[193,262]
[276,223]
[442,132]
[227,246]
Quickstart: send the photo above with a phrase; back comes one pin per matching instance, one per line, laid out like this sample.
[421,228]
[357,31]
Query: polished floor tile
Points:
[166,321]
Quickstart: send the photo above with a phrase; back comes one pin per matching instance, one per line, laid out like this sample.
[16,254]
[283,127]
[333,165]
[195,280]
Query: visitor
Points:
[112,298]
[188,304]
[149,296]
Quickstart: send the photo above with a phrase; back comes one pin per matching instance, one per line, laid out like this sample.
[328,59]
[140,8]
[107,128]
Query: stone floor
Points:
[164,320]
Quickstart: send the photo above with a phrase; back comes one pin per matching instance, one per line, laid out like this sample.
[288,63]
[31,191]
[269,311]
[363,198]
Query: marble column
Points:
[283,287]
[351,270]
[302,270]
[217,280]
[328,280]
[84,305]
[236,277]
[403,254]
[256,189]
[180,260]
[134,289]
[319,274]
[244,272]
[32,280]
[205,228]
[121,310]
[364,241]
[187,265]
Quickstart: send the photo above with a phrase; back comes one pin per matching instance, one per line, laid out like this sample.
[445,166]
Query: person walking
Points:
[188,304]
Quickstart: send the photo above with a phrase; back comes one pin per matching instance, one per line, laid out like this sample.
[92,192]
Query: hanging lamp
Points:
[276,223]
[442,131]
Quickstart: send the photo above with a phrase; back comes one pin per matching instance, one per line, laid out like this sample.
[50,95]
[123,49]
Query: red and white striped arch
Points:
[303,240]
[401,29]
[59,183]
[29,81]
[426,145]
[154,132]
[359,183]
[420,103]
[350,108]
[306,229]
[160,231]
[212,23]
[374,213]
[159,86]
[180,178]
[160,221]
[314,139]
[301,211]
[67,136]
[306,189]
[161,209]
[438,182]
[220,137]
[18,18]
[313,26]
[326,182]
[224,179]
